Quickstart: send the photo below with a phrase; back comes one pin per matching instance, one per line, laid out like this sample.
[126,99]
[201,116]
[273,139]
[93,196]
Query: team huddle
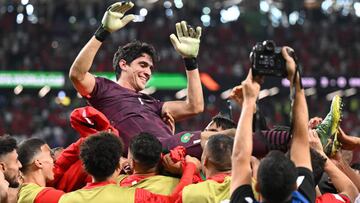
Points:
[128,150]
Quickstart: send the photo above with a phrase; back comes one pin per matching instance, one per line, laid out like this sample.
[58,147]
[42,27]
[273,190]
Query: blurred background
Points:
[39,39]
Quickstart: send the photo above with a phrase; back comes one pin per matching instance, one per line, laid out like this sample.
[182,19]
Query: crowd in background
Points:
[324,44]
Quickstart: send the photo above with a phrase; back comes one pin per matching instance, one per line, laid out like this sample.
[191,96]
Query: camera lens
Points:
[259,47]
[269,45]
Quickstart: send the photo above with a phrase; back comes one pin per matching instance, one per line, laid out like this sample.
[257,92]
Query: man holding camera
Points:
[279,179]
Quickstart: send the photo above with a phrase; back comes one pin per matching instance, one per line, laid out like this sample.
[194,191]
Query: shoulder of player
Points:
[107,82]
[204,185]
[163,178]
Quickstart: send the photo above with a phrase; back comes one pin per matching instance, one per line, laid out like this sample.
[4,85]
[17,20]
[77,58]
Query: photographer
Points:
[277,175]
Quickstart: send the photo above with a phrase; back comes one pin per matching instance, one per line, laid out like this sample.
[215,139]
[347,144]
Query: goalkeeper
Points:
[130,111]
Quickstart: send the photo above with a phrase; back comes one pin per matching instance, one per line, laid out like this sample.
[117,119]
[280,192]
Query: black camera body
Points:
[267,59]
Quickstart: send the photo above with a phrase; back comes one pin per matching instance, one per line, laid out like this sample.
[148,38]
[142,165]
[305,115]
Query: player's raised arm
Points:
[186,42]
[112,21]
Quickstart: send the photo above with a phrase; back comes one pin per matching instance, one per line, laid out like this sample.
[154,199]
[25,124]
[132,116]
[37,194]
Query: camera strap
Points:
[229,108]
[297,71]
[258,129]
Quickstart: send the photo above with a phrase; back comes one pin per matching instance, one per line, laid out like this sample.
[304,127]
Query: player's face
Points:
[10,167]
[140,72]
[47,161]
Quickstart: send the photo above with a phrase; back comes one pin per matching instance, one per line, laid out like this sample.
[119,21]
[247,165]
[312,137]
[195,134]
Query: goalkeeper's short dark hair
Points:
[132,51]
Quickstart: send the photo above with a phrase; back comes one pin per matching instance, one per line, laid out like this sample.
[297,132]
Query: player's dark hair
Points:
[146,150]
[27,150]
[223,122]
[100,154]
[7,145]
[132,51]
[277,177]
[219,148]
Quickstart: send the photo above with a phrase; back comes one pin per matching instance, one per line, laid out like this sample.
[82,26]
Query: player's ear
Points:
[123,65]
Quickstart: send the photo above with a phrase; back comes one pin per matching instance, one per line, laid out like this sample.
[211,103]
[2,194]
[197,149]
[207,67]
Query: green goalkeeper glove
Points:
[187,41]
[114,18]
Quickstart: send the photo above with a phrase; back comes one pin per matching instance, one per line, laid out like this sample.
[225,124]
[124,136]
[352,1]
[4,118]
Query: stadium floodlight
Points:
[181,94]
[167,4]
[230,14]
[264,93]
[274,91]
[276,12]
[33,19]
[92,21]
[139,18]
[205,19]
[330,96]
[225,94]
[350,92]
[10,8]
[341,82]
[29,9]
[143,12]
[293,17]
[310,91]
[206,10]
[20,9]
[55,44]
[178,4]
[18,89]
[276,16]
[354,82]
[61,94]
[324,82]
[264,6]
[357,9]
[306,81]
[19,18]
[72,19]
[169,12]
[43,91]
[325,5]
[24,2]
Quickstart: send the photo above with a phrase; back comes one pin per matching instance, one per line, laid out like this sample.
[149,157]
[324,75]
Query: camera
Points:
[266,59]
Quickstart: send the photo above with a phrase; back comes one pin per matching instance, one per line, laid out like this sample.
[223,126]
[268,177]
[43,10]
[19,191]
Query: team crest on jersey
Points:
[185,138]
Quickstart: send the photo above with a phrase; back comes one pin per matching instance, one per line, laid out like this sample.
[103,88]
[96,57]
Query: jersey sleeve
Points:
[99,88]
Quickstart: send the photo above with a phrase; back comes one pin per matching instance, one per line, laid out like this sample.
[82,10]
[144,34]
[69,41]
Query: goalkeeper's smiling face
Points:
[139,72]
